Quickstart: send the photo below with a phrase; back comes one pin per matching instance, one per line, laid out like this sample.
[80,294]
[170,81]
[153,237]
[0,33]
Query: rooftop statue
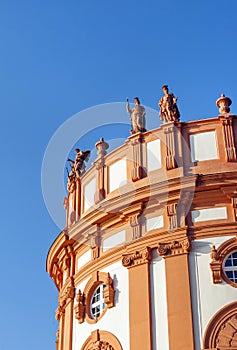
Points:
[168,108]
[137,116]
[78,167]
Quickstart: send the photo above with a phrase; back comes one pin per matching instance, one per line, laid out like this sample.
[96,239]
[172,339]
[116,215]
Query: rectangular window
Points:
[209,214]
[114,240]
[89,193]
[203,146]
[153,223]
[153,155]
[117,174]
[83,259]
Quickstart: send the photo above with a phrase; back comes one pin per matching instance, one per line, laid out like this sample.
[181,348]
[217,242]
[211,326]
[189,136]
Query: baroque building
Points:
[148,257]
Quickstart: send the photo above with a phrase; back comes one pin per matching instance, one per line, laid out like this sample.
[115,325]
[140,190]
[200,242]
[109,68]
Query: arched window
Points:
[224,262]
[221,332]
[101,340]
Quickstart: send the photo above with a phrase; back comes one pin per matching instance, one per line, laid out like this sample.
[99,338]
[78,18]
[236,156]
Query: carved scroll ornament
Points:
[174,248]
[138,258]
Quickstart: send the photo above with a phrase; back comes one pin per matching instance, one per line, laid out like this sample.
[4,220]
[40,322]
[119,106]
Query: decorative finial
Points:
[101,146]
[224,104]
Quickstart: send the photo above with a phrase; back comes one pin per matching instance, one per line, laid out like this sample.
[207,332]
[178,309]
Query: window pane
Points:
[228,262]
[153,155]
[229,274]
[203,146]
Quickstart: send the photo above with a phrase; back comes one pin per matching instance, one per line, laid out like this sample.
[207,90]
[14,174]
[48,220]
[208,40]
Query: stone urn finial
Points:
[223,103]
[101,146]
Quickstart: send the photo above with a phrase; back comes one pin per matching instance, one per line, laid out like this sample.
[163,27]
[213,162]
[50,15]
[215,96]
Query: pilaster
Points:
[136,142]
[178,293]
[227,123]
[138,264]
[169,131]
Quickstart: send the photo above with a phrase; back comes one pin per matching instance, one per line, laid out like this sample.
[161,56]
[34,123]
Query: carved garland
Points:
[82,308]
[217,258]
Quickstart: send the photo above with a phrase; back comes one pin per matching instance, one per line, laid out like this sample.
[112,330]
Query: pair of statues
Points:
[168,111]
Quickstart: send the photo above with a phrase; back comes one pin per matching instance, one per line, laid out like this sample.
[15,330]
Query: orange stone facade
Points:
[156,237]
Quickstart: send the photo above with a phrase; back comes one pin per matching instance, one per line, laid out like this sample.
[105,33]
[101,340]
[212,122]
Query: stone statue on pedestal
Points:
[137,116]
[168,108]
[78,167]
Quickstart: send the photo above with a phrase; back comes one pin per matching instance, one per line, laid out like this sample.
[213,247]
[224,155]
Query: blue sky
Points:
[58,58]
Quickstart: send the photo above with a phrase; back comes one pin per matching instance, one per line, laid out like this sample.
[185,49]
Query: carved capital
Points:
[174,248]
[138,258]
[80,307]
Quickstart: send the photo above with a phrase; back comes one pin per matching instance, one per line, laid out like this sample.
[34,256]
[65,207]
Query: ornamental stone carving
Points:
[66,293]
[101,340]
[174,247]
[80,307]
[221,332]
[215,265]
[109,292]
[227,335]
[217,258]
[138,258]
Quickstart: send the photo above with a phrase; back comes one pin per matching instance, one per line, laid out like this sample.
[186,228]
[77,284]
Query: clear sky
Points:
[60,57]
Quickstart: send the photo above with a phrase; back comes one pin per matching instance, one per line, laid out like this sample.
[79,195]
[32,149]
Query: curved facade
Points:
[148,258]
